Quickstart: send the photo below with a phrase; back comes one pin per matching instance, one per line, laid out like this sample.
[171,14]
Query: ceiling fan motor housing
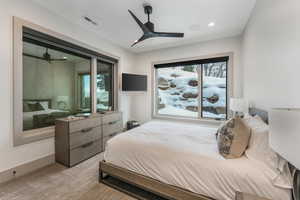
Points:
[47,56]
[148,9]
[150,26]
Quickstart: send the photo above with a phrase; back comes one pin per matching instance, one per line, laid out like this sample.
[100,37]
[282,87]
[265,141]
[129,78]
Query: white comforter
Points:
[186,155]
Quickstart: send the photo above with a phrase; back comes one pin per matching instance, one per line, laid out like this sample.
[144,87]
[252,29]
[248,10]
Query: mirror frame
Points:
[21,137]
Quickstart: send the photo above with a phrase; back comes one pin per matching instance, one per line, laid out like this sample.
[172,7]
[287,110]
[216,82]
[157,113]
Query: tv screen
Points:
[134,82]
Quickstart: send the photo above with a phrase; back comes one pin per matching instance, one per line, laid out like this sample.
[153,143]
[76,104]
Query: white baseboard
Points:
[26,168]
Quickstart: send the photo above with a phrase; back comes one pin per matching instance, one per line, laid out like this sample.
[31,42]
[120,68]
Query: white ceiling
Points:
[189,16]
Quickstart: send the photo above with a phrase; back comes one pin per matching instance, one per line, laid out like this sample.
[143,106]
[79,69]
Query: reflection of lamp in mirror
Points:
[62,102]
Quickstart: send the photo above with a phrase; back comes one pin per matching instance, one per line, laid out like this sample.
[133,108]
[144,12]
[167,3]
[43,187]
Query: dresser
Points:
[112,124]
[77,139]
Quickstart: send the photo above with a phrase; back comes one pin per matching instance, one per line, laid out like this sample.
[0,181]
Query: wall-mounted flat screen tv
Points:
[134,82]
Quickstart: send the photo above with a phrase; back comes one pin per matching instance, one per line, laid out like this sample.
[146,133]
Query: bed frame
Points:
[146,183]
[154,186]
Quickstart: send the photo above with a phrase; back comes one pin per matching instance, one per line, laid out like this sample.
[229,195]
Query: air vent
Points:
[88,19]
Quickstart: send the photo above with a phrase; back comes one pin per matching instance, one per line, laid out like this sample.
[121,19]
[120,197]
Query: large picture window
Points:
[193,89]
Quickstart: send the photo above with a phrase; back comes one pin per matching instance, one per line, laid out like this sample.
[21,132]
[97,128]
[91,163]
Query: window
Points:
[193,89]
[104,86]
[84,82]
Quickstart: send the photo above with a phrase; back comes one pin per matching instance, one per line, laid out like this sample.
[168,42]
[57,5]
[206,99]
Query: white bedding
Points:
[186,155]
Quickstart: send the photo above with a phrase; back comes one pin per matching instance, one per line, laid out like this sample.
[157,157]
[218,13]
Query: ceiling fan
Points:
[46,57]
[148,27]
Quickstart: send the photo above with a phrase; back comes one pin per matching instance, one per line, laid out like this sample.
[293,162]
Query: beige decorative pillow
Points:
[233,138]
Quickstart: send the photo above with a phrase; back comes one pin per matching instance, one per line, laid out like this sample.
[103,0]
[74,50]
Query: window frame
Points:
[80,89]
[114,82]
[21,137]
[230,86]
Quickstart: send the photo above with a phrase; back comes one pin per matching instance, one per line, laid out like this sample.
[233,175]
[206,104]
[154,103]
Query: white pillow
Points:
[258,147]
[44,104]
[260,150]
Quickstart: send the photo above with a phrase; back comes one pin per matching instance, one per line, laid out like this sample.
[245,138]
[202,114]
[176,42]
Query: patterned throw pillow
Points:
[26,107]
[35,106]
[233,138]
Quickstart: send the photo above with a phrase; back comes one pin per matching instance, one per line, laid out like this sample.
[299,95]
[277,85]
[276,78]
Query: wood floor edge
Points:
[26,168]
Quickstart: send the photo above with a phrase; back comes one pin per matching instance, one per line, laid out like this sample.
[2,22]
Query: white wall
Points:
[12,156]
[141,109]
[271,49]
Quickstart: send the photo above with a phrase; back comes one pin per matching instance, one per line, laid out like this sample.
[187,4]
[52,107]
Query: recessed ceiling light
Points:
[211,24]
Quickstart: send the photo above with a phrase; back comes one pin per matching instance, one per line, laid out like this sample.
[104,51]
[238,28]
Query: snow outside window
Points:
[194,90]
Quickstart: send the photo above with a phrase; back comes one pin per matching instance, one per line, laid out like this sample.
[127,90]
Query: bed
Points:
[43,117]
[181,161]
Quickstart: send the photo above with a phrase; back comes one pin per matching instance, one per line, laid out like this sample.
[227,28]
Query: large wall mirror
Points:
[55,84]
[56,77]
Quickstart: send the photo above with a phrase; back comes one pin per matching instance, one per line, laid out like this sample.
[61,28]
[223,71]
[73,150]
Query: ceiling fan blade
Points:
[141,25]
[166,34]
[58,59]
[33,56]
[144,37]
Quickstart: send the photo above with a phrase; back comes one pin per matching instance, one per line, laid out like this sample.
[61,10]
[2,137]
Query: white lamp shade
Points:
[62,99]
[285,133]
[238,105]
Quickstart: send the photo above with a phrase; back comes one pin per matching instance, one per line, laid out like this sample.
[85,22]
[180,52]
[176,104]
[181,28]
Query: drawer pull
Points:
[86,130]
[87,145]
[113,122]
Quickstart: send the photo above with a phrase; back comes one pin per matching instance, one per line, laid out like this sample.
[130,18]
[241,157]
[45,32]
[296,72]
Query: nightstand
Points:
[243,196]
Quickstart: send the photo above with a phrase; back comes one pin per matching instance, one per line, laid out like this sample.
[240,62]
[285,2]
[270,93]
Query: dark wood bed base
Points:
[149,184]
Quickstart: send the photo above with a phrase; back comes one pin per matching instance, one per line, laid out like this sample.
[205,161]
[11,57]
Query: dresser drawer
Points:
[111,118]
[84,124]
[85,151]
[112,128]
[85,136]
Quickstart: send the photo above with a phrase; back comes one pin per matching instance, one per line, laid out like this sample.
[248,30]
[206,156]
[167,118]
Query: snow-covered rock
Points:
[193,83]
[188,95]
[178,90]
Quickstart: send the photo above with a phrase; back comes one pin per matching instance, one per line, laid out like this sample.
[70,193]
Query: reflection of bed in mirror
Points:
[39,113]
